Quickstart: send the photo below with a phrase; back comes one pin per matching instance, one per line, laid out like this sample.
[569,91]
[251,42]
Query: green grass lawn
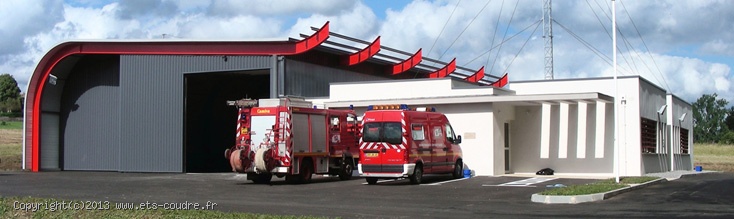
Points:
[10,149]
[598,187]
[11,125]
[8,209]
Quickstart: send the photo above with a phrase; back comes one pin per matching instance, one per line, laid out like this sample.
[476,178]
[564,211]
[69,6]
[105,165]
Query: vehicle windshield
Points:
[390,132]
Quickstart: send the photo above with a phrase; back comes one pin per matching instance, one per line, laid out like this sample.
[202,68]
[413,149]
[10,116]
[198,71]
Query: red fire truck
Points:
[400,142]
[288,138]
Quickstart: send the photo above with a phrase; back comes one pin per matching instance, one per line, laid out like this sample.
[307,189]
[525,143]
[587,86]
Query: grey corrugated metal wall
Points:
[126,113]
[152,95]
[90,115]
[310,80]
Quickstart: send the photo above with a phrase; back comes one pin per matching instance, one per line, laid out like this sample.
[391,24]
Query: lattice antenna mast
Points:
[548,35]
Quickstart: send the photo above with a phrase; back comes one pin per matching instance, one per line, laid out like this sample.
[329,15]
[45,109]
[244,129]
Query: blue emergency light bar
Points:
[388,107]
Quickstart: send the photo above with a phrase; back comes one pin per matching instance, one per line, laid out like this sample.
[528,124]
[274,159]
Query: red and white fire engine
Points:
[286,137]
[400,142]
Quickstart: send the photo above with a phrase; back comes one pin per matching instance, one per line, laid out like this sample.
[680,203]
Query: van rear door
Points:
[382,150]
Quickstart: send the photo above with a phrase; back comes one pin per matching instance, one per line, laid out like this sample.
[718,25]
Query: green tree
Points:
[9,94]
[730,119]
[709,114]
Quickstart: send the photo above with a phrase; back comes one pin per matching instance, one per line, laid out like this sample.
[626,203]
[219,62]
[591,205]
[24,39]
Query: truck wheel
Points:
[371,180]
[458,169]
[417,176]
[347,168]
[306,171]
[262,178]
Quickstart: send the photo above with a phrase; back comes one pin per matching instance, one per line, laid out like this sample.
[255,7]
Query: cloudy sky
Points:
[686,47]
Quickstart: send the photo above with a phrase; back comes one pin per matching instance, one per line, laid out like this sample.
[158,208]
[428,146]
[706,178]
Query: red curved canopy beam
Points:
[408,63]
[312,41]
[476,76]
[363,55]
[445,71]
[66,49]
[501,82]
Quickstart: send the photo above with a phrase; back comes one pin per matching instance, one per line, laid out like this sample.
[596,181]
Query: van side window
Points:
[450,133]
[437,134]
[417,132]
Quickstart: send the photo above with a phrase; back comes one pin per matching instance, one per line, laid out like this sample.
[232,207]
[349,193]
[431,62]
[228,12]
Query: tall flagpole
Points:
[616,93]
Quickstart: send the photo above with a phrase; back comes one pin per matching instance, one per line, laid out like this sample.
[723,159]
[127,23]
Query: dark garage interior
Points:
[210,124]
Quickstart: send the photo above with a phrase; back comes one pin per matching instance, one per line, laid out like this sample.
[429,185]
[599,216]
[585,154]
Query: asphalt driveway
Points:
[439,197]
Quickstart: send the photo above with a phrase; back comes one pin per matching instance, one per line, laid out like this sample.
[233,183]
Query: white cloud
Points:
[22,18]
[287,7]
[688,78]
[359,22]
[718,47]
[201,27]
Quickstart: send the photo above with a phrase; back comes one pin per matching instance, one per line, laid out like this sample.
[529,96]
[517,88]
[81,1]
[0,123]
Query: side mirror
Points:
[458,139]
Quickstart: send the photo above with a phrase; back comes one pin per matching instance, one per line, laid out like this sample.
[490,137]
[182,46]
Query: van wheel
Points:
[371,180]
[417,176]
[347,168]
[458,169]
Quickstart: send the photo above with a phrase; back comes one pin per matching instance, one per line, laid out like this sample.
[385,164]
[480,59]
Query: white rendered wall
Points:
[420,88]
[526,154]
[479,152]
[629,113]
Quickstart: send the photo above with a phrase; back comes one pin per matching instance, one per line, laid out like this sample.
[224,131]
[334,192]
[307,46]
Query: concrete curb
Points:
[575,199]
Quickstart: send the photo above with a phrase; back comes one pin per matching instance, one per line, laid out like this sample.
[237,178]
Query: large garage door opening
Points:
[209,124]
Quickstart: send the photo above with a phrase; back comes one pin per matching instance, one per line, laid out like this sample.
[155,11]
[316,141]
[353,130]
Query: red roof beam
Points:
[407,64]
[362,55]
[501,82]
[445,71]
[474,78]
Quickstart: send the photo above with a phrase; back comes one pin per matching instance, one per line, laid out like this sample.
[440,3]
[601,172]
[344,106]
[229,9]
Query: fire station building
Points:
[159,106]
[565,125]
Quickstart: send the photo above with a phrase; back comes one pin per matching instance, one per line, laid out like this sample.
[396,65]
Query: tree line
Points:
[713,122]
[11,101]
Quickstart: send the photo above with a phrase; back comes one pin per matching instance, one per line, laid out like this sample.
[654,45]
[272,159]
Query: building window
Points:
[684,141]
[648,135]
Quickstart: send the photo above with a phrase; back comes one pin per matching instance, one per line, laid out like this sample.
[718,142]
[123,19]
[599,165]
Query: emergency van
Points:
[398,142]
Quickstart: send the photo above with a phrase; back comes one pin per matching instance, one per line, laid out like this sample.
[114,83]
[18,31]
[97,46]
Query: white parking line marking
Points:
[525,182]
[439,183]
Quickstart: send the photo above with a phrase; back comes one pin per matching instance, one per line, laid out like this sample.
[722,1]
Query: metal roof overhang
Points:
[462,74]
[519,100]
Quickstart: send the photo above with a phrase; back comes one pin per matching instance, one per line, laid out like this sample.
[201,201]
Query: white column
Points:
[669,118]
[563,131]
[601,109]
[545,125]
[581,132]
